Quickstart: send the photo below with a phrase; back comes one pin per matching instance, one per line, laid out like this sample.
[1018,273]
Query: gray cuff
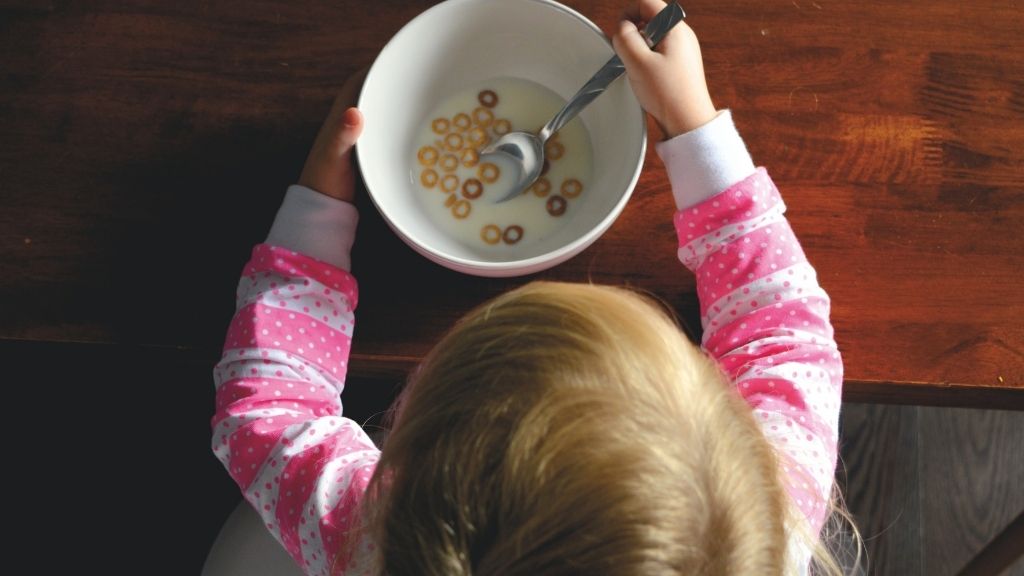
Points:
[316,225]
[705,161]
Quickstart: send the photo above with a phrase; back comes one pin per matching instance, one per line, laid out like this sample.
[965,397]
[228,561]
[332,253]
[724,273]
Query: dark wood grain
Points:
[971,470]
[1003,552]
[146,146]
[931,488]
[878,473]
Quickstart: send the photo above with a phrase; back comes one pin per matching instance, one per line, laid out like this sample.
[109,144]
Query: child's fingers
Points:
[643,10]
[347,96]
[350,127]
[630,45]
[640,12]
[344,123]
[328,167]
[676,41]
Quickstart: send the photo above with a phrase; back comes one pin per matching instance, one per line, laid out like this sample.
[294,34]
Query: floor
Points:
[930,487]
[110,465]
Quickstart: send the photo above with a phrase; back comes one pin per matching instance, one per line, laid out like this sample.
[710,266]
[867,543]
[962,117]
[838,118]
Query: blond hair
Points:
[573,429]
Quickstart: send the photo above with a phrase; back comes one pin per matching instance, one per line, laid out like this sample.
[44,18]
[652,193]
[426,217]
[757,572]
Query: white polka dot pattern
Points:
[278,427]
[702,242]
[766,321]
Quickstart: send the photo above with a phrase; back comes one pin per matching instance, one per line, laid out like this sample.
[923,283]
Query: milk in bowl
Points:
[457,189]
[524,51]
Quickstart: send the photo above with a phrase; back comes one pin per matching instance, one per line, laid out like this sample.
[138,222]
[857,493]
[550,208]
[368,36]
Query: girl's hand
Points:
[328,168]
[669,80]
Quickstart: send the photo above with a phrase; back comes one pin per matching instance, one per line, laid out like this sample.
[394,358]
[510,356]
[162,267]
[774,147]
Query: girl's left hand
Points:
[328,168]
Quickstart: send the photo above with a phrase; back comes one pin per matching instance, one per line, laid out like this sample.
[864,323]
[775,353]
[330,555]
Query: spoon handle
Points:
[655,30]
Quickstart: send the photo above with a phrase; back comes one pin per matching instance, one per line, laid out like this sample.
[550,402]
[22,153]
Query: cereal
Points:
[453,141]
[461,209]
[449,163]
[501,127]
[472,188]
[488,172]
[513,234]
[478,136]
[554,150]
[488,98]
[428,178]
[483,117]
[450,183]
[490,234]
[556,205]
[542,187]
[440,125]
[470,157]
[572,188]
[427,156]
[462,122]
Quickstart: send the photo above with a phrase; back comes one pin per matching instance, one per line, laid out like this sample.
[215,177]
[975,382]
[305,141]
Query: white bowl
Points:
[476,40]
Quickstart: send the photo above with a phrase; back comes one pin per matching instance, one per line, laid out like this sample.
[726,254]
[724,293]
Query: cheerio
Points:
[456,187]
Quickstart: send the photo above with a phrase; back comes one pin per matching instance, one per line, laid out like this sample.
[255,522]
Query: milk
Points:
[527,106]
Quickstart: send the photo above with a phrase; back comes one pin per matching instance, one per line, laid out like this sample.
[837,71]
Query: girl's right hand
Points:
[669,80]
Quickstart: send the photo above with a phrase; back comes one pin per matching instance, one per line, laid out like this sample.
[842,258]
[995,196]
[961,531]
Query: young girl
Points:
[561,428]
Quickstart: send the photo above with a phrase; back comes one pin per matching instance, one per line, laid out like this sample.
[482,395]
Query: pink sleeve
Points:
[278,427]
[766,321]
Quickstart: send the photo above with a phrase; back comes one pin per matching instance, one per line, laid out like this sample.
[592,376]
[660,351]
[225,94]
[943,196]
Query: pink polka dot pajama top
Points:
[303,466]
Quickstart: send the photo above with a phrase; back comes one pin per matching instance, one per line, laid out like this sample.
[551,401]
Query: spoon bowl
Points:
[526,150]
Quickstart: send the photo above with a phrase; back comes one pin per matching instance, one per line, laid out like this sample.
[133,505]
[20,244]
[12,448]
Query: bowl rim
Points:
[521,266]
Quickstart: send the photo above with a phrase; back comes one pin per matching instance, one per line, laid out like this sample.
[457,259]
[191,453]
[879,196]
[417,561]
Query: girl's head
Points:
[573,429]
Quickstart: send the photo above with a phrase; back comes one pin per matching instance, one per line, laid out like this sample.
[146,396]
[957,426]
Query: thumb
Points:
[351,126]
[630,45]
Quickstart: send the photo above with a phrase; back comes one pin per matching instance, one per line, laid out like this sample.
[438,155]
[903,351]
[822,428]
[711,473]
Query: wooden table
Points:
[146,146]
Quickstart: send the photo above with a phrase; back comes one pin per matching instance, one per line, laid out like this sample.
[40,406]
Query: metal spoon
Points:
[527,150]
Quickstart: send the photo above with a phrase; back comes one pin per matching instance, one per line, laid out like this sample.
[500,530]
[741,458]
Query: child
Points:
[561,428]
